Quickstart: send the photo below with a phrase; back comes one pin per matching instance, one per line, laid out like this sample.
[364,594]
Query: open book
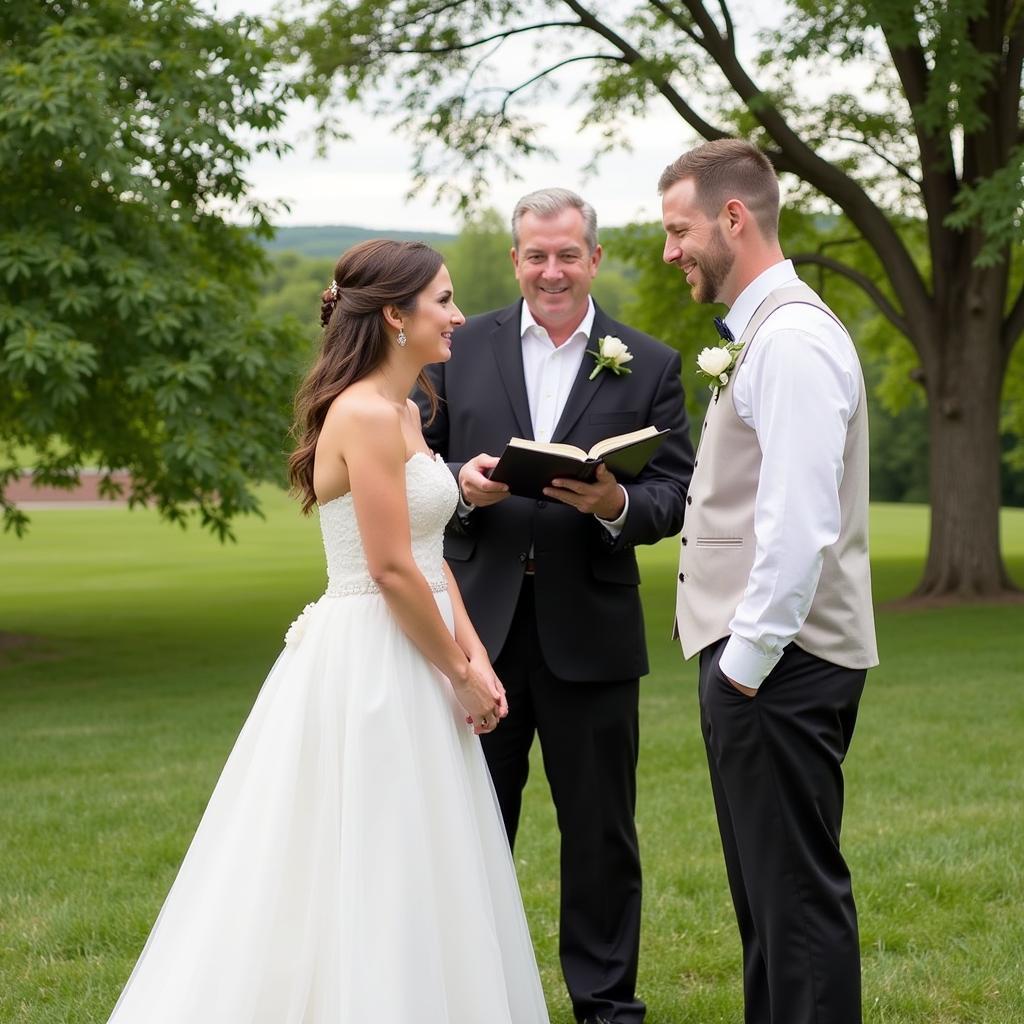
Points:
[530,466]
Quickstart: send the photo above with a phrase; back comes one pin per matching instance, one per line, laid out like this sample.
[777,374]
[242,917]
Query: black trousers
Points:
[589,740]
[775,763]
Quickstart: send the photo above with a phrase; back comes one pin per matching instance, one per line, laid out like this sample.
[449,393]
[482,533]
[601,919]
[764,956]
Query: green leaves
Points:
[27,350]
[996,206]
[129,337]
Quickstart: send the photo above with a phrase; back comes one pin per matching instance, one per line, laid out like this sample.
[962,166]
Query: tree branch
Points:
[994,35]
[730,31]
[481,62]
[674,18]
[938,174]
[798,158]
[632,56]
[1008,119]
[885,307]
[702,16]
[509,93]
[898,168]
[432,12]
[707,23]
[477,42]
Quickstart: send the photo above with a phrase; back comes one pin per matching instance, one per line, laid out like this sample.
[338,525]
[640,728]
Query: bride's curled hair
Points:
[368,277]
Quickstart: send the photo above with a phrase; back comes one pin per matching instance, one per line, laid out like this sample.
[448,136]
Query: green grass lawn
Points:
[147,645]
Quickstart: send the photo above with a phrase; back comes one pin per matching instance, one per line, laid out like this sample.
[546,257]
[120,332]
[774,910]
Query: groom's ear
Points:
[735,217]
[595,259]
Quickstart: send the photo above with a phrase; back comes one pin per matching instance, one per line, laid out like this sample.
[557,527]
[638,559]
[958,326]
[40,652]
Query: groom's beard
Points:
[714,264]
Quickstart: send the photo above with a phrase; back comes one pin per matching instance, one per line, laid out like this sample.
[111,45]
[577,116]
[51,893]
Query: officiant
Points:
[552,584]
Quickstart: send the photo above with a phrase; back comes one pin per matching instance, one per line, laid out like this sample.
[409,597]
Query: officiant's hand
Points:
[475,487]
[603,498]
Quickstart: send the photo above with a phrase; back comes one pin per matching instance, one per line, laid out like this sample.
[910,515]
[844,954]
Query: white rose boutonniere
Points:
[612,354]
[715,364]
[297,630]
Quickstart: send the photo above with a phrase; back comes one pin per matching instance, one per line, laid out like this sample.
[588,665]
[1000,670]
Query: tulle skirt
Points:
[351,866]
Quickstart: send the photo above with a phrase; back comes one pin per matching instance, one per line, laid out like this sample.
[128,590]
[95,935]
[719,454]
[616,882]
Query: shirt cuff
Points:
[614,526]
[742,662]
[464,507]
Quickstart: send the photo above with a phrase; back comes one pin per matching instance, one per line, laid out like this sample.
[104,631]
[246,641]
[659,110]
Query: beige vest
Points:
[717,549]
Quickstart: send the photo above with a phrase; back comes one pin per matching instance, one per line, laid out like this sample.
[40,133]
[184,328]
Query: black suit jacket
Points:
[590,619]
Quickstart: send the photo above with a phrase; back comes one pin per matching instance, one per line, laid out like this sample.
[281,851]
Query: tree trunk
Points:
[964,379]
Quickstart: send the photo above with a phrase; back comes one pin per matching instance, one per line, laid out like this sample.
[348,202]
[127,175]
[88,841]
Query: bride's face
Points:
[429,329]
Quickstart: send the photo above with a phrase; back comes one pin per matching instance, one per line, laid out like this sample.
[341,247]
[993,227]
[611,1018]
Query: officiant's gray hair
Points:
[547,202]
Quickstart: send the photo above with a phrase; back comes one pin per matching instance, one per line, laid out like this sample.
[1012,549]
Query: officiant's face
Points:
[695,243]
[554,268]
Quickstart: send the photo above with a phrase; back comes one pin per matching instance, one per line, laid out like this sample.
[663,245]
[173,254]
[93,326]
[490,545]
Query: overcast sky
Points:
[365,181]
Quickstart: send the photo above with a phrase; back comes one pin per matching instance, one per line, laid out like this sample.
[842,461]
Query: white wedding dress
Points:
[351,866]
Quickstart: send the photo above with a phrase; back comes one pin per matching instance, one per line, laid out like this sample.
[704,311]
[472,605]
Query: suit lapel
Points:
[507,345]
[583,389]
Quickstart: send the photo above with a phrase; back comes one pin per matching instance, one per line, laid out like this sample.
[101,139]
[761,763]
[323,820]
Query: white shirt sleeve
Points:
[614,526]
[798,391]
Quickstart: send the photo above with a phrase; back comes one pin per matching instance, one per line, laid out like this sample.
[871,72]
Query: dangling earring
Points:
[402,339]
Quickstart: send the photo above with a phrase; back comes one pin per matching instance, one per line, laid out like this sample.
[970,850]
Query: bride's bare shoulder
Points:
[361,409]
[361,419]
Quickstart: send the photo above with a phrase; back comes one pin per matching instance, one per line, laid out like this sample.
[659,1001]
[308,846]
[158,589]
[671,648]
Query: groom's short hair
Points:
[548,202]
[729,169]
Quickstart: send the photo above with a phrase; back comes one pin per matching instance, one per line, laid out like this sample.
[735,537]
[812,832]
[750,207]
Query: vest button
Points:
[682,577]
[689,499]
[522,556]
[542,504]
[684,541]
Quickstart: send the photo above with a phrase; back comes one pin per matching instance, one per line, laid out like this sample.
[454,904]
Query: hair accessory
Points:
[402,339]
[328,300]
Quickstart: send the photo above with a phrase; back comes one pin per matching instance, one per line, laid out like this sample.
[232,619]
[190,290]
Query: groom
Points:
[552,585]
[774,590]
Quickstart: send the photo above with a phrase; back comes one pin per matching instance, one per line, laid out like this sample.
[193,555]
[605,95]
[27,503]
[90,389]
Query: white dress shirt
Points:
[550,371]
[797,387]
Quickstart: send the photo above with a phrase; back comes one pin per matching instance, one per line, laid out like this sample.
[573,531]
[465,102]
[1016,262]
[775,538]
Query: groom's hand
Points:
[476,488]
[603,498]
[747,691]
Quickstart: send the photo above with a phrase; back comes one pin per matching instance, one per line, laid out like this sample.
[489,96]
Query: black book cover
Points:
[528,470]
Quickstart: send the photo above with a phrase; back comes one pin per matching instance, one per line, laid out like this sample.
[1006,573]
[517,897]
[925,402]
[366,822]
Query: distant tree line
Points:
[633,284]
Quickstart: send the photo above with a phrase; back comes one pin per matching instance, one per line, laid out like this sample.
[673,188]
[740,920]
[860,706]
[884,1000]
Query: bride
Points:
[351,867]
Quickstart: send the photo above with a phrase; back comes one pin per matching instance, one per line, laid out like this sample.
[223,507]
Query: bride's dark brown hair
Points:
[370,276]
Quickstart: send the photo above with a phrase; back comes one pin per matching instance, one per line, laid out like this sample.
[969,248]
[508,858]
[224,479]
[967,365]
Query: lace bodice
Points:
[432,494]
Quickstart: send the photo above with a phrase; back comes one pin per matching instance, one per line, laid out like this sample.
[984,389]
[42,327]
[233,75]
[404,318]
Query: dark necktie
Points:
[723,330]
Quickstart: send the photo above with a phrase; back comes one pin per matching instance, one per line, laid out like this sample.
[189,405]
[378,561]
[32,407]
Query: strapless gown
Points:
[351,866]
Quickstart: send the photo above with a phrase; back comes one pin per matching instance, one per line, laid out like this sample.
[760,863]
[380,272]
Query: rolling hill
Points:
[329,240]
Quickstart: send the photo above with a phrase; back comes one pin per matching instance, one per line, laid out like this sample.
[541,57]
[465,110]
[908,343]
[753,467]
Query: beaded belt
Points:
[369,587]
